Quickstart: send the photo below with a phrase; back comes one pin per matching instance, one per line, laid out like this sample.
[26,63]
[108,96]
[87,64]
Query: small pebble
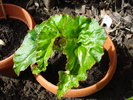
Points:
[2,42]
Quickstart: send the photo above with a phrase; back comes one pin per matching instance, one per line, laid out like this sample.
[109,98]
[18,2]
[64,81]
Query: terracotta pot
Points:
[15,12]
[109,46]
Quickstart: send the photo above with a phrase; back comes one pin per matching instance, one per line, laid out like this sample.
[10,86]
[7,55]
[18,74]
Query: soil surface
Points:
[57,63]
[12,33]
[25,87]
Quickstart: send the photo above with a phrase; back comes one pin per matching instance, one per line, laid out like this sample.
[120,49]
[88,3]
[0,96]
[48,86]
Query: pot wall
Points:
[15,12]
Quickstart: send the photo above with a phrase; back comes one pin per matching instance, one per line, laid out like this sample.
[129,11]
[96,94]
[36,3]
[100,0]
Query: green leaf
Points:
[74,27]
[58,22]
[131,98]
[83,49]
[25,55]
[65,78]
[46,38]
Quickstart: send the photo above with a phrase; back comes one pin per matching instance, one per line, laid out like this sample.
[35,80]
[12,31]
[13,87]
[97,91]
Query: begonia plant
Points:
[81,39]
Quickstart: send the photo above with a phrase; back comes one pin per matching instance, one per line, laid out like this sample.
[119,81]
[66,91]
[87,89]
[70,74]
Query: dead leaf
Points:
[128,36]
[107,30]
[128,18]
[108,12]
[115,17]
[80,10]
[119,38]
[132,28]
[102,13]
[88,13]
[95,13]
[130,46]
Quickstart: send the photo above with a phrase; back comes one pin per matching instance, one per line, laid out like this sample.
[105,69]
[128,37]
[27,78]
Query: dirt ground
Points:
[25,87]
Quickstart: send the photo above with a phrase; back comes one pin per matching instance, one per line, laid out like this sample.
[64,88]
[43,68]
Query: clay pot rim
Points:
[32,23]
[30,26]
[91,89]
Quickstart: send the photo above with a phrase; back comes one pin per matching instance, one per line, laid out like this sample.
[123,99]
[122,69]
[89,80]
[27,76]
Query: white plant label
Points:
[107,20]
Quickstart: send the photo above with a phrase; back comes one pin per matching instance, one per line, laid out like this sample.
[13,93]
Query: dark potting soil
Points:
[12,33]
[57,63]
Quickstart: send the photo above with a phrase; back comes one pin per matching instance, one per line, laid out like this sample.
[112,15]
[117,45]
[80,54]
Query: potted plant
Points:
[81,39]
[14,12]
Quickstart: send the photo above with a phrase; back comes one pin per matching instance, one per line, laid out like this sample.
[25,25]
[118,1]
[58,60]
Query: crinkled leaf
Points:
[83,49]
[25,55]
[65,78]
[46,38]
[74,27]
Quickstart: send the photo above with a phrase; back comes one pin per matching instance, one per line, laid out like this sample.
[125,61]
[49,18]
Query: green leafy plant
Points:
[81,39]
[130,98]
